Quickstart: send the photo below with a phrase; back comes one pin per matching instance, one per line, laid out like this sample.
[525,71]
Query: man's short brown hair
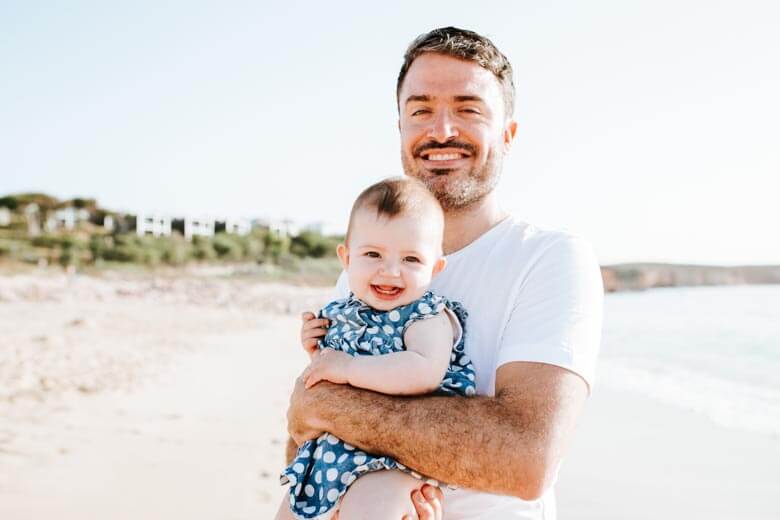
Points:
[464,45]
[395,196]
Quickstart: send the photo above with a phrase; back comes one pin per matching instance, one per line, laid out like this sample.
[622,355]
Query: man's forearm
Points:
[472,442]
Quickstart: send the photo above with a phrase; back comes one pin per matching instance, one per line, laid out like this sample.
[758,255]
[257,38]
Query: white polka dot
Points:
[373,330]
[359,459]
[394,315]
[345,478]
[332,439]
[298,489]
[388,329]
[298,467]
[348,446]
[305,453]
[292,479]
[318,477]
[398,343]
[331,474]
[329,457]
[309,510]
[470,391]
[464,361]
[309,490]
[318,452]
[424,308]
[333,495]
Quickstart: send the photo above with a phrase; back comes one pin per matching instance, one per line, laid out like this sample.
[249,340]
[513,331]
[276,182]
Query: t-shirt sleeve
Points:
[341,290]
[558,309]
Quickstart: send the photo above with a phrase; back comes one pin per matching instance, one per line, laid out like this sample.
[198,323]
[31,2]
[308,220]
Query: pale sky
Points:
[650,128]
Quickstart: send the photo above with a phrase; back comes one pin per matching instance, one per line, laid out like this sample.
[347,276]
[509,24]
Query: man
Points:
[534,299]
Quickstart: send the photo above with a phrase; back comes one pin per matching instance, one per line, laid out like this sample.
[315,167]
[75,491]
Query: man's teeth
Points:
[443,156]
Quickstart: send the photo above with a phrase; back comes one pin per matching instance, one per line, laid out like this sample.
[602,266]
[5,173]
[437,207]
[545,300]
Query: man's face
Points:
[454,132]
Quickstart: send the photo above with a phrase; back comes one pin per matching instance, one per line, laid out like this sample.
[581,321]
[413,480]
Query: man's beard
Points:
[454,191]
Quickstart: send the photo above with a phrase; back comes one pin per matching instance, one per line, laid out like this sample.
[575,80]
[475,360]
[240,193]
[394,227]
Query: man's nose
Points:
[443,127]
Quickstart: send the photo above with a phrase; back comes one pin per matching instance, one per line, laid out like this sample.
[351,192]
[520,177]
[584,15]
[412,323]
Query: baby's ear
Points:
[439,266]
[343,253]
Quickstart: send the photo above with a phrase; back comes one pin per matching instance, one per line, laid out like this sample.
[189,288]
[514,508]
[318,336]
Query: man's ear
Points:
[439,266]
[509,134]
[343,253]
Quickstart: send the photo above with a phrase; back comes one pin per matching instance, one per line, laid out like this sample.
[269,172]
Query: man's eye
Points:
[412,259]
[420,111]
[372,254]
[470,110]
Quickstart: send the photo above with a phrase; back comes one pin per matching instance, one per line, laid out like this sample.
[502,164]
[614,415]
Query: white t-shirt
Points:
[532,295]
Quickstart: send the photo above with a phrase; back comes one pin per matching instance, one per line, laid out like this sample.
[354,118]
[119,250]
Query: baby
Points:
[391,335]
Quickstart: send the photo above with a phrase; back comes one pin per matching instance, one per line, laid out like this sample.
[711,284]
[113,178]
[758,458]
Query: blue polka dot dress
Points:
[325,467]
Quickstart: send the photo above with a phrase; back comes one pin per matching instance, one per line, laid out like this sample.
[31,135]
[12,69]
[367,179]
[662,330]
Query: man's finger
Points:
[306,316]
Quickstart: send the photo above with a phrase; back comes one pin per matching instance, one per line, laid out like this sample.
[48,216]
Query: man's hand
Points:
[328,365]
[312,330]
[301,414]
[427,502]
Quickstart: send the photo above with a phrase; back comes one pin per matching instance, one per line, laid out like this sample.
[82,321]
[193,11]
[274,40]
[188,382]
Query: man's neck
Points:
[463,226]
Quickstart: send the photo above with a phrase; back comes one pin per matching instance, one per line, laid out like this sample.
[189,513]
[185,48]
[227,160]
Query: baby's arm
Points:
[417,370]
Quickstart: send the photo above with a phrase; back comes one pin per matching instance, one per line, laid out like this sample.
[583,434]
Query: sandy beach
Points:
[158,397]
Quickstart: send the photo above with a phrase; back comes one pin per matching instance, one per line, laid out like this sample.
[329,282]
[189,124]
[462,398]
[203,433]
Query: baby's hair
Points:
[394,196]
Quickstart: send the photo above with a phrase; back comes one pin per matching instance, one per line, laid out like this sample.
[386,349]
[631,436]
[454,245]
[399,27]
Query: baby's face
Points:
[391,262]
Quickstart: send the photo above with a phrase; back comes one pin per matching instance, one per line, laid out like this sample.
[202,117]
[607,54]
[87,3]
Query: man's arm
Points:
[509,444]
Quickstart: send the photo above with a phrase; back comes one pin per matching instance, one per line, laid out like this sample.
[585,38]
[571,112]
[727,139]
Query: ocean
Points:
[712,350]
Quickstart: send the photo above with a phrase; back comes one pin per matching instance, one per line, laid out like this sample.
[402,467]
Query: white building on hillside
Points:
[238,226]
[203,227]
[156,224]
[66,218]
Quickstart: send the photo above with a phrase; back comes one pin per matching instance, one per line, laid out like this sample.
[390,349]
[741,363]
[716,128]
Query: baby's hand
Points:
[312,330]
[330,365]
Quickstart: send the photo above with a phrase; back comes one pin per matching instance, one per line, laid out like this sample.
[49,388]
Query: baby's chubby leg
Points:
[380,495]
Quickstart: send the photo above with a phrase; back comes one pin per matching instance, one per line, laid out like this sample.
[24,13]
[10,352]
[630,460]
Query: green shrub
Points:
[203,249]
[311,244]
[275,246]
[228,247]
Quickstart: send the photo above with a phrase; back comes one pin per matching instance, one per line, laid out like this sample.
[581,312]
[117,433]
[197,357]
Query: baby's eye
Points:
[371,254]
[412,259]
